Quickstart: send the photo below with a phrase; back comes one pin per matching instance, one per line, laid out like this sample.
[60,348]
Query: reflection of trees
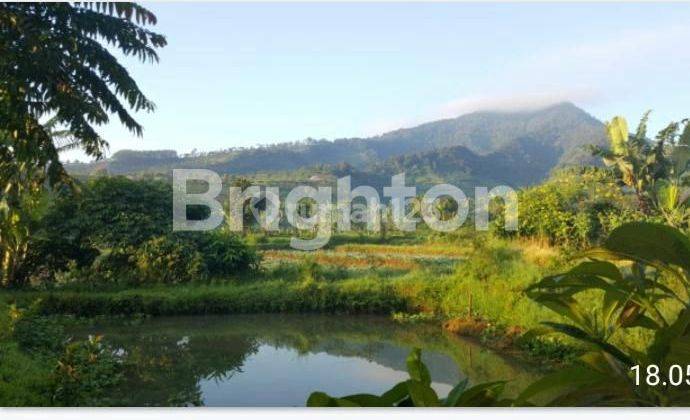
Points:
[168,357]
[164,369]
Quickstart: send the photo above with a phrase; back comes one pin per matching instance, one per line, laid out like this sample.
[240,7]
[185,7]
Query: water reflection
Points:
[277,360]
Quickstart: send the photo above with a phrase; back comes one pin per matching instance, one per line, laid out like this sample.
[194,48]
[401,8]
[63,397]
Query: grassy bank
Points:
[481,278]
[349,296]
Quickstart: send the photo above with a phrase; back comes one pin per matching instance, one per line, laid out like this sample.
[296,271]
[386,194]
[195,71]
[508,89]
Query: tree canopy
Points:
[57,59]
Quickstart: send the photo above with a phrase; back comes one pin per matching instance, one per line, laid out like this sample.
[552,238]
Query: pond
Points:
[278,360]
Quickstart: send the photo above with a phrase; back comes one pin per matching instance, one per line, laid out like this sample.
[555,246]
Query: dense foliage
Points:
[119,212]
[168,260]
[643,180]
[42,366]
[57,60]
[638,279]
[657,172]
[117,230]
[575,208]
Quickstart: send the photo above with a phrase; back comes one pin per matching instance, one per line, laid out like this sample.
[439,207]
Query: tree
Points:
[55,62]
[118,212]
[672,194]
[638,163]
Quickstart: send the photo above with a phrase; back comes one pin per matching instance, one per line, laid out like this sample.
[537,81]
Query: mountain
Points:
[518,148]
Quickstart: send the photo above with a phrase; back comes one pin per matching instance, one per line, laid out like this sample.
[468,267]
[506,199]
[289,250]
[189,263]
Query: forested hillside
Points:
[516,148]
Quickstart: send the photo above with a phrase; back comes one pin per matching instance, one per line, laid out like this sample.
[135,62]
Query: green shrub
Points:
[166,259]
[225,254]
[575,208]
[310,270]
[33,332]
[38,334]
[84,374]
[113,266]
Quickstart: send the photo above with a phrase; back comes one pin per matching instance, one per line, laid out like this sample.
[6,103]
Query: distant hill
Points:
[517,148]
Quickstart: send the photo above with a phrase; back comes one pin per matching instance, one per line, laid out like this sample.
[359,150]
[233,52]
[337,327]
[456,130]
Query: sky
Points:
[239,75]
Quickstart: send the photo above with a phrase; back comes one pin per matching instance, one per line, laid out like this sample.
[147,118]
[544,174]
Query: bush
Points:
[574,209]
[38,334]
[113,266]
[84,373]
[226,254]
[165,259]
[33,333]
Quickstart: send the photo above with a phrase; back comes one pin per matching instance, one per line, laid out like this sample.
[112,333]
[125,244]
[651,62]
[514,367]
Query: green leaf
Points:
[581,335]
[653,243]
[482,395]
[586,275]
[422,394]
[617,131]
[641,133]
[418,371]
[396,394]
[572,377]
[597,268]
[643,321]
[455,393]
[365,400]
[320,399]
[665,337]
[563,305]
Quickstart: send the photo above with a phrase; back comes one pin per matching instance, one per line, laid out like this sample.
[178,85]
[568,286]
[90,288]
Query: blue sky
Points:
[245,74]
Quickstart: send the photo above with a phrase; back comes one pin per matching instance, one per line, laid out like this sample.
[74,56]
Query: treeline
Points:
[116,230]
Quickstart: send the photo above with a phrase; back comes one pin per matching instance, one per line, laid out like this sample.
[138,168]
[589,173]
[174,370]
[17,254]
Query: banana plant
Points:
[641,269]
[658,172]
[673,194]
[638,163]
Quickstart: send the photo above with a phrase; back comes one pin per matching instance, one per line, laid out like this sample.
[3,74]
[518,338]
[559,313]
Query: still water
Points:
[278,360]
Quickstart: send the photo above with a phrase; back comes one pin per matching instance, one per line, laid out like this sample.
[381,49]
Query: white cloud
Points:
[519,101]
[516,101]
[587,73]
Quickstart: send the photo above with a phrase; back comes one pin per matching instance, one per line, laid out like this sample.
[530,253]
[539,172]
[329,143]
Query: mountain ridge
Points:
[548,138]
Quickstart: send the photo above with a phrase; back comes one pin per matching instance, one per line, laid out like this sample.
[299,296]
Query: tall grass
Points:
[487,284]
